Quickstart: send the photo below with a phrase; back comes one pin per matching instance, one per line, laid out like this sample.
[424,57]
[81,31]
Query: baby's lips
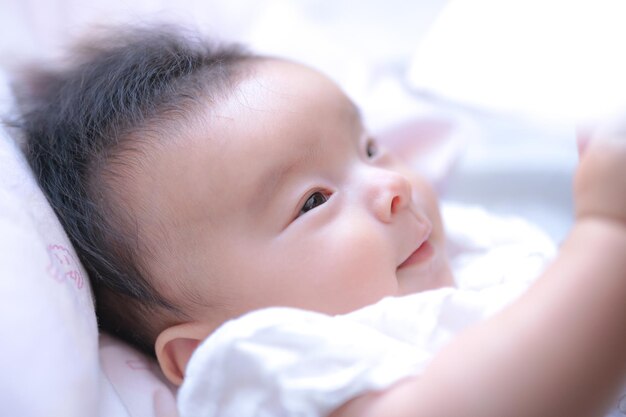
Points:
[421,252]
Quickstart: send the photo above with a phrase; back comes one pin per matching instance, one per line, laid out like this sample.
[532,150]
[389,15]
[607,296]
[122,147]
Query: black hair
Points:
[77,119]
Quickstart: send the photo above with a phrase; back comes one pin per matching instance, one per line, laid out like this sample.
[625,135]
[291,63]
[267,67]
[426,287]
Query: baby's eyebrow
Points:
[271,180]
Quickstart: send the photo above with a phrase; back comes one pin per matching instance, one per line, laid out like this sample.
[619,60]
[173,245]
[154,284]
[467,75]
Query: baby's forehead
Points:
[274,121]
[278,85]
[279,106]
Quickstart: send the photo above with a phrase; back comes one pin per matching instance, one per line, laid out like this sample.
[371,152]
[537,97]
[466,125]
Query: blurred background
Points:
[492,91]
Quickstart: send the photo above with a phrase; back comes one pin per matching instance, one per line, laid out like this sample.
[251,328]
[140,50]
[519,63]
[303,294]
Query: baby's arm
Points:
[561,348]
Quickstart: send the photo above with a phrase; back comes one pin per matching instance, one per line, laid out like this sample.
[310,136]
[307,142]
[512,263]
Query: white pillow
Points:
[51,360]
[49,357]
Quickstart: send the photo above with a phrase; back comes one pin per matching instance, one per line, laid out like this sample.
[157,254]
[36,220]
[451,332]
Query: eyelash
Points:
[306,207]
[371,148]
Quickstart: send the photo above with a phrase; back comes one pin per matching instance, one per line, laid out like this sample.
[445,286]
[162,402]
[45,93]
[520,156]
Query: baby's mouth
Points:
[420,255]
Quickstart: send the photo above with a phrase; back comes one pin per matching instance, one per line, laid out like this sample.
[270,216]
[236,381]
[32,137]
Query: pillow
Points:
[53,362]
[49,355]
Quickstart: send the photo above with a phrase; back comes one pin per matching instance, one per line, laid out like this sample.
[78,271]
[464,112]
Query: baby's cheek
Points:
[359,265]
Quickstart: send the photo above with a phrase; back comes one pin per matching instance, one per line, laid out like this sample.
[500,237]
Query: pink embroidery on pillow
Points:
[63,266]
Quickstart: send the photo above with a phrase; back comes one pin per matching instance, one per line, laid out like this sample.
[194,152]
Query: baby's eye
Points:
[316,199]
[371,148]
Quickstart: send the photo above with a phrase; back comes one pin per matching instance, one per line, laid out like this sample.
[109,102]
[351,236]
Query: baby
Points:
[201,183]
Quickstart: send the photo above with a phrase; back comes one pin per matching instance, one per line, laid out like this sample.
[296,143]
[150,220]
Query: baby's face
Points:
[280,197]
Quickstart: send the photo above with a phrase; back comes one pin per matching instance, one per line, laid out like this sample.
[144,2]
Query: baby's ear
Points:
[174,347]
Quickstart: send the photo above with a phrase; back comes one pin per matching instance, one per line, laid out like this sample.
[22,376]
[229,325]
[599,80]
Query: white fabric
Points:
[290,362]
[49,356]
[549,60]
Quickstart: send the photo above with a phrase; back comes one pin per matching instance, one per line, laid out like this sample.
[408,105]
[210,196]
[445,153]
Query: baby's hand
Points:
[600,183]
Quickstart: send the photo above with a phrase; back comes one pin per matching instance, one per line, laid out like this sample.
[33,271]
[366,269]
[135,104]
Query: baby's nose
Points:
[388,193]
